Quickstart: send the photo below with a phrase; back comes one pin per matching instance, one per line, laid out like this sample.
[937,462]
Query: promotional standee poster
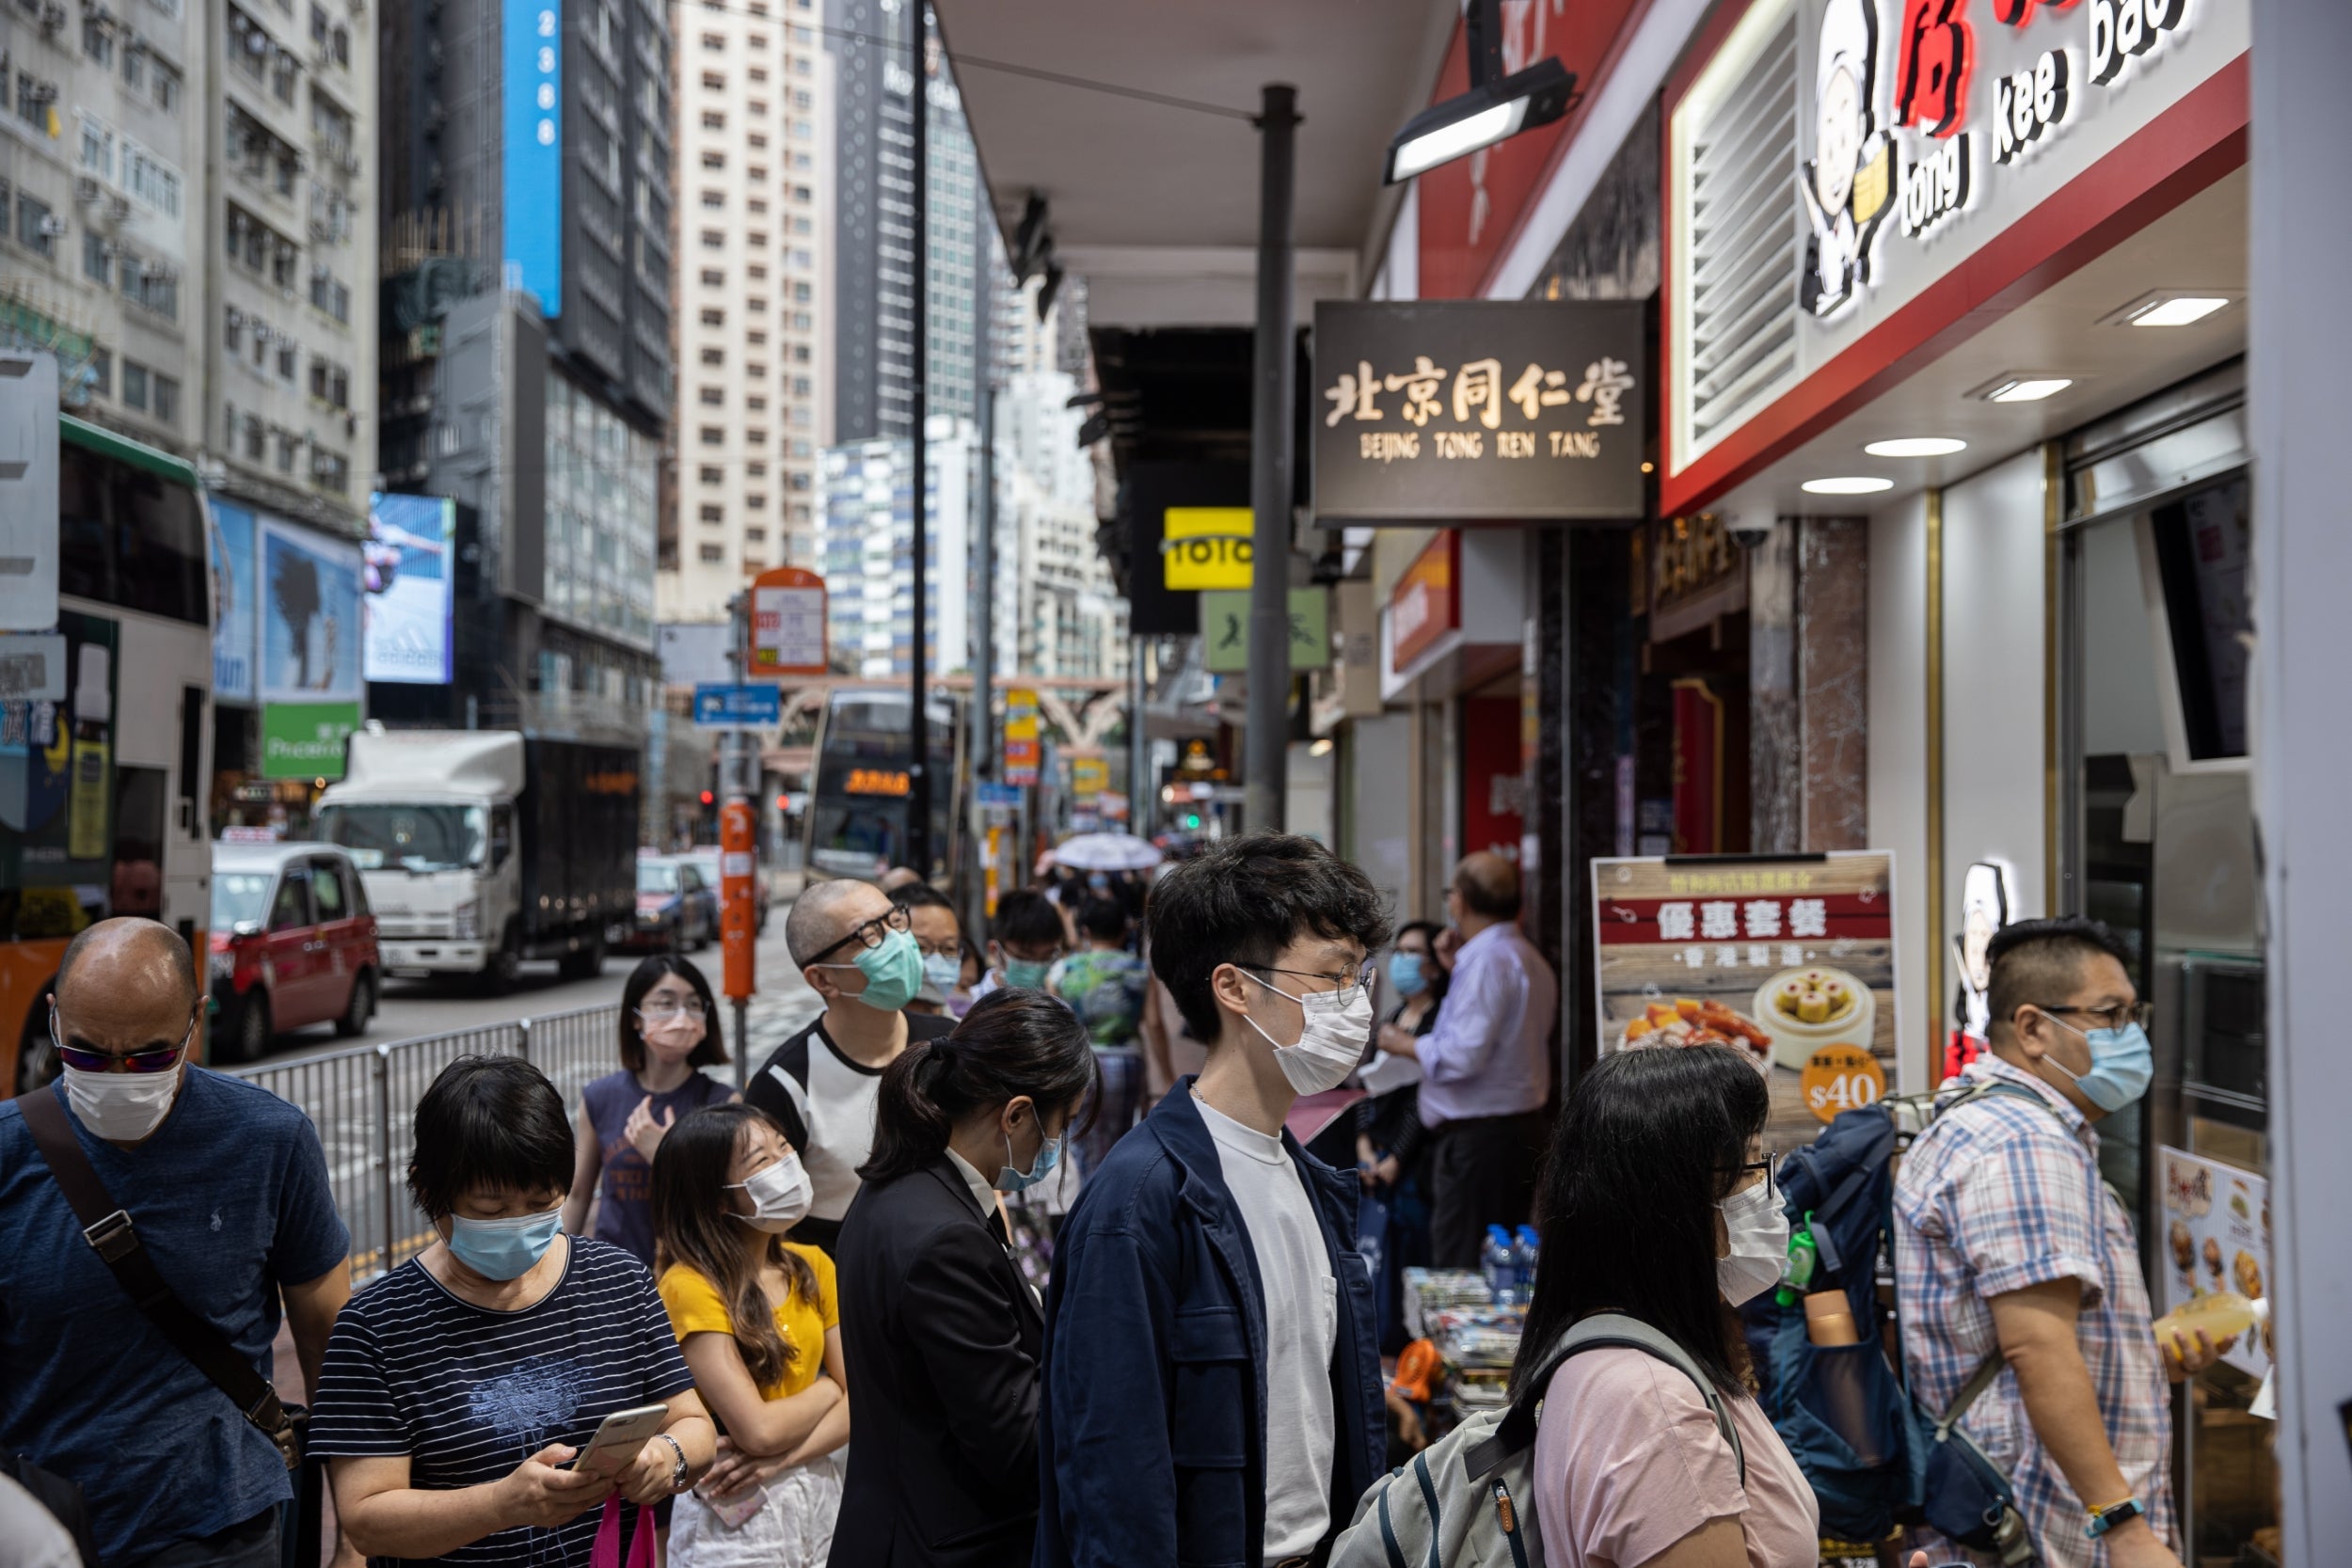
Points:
[2216,1237]
[409,572]
[1791,960]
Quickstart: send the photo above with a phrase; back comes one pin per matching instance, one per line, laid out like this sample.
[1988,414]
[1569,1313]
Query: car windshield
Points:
[706,866]
[239,897]
[409,838]
[656,877]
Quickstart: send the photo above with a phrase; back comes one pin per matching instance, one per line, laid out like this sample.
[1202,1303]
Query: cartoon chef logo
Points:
[1848,186]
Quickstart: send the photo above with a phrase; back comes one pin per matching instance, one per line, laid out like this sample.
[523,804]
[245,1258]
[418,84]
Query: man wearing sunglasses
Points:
[225,1187]
[857,950]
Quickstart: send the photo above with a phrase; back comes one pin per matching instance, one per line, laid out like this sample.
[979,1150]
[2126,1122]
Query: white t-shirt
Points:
[1302,1317]
[841,1097]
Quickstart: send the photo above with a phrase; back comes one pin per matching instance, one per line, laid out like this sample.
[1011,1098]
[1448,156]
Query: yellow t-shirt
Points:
[695,1307]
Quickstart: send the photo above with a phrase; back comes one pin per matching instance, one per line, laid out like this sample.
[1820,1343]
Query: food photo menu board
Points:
[2216,1237]
[1790,958]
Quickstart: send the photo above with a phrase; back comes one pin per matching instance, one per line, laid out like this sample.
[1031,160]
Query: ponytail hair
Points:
[1012,1043]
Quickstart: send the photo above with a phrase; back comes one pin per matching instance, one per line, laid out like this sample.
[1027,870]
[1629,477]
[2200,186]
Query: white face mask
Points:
[1757,1227]
[779,1195]
[1330,1043]
[122,1107]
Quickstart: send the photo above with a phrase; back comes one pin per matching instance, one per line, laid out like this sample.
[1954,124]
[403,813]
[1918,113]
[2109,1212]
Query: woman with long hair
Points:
[669,1032]
[1658,1201]
[758,1323]
[943,1332]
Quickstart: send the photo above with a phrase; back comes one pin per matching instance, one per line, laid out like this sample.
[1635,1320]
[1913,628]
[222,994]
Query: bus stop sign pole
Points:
[739,826]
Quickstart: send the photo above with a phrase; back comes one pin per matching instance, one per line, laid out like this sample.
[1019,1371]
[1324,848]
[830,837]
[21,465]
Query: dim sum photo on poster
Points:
[409,573]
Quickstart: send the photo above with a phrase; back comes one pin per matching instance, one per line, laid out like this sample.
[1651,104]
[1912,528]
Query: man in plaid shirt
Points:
[2006,1239]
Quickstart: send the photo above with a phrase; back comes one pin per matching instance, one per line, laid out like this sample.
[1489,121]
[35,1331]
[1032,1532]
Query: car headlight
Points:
[465,921]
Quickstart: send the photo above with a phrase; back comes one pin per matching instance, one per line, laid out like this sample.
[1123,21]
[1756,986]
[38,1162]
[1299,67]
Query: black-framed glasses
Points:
[1343,987]
[156,1059]
[873,933]
[1769,1166]
[2116,1016]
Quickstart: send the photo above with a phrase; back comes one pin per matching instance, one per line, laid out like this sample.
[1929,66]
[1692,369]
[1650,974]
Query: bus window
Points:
[139,879]
[129,537]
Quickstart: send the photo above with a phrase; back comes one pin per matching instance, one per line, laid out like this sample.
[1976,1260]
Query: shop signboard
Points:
[1427,602]
[308,595]
[236,602]
[1206,547]
[411,561]
[1149,492]
[1789,957]
[304,740]
[1225,630]
[2216,1237]
[788,623]
[1022,749]
[1439,410]
[1696,575]
[1088,777]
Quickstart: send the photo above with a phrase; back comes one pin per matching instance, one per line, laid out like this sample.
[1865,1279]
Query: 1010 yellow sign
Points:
[1206,547]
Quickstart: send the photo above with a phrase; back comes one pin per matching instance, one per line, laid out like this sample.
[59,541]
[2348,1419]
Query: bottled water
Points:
[1523,1261]
[1497,1262]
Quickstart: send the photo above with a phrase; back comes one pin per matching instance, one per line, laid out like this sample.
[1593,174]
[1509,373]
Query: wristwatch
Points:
[2105,1519]
[677,1472]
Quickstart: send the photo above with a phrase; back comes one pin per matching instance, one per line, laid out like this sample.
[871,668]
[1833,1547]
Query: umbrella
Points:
[1106,852]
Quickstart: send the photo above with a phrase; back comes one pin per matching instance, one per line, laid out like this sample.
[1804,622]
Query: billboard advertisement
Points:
[410,573]
[233,600]
[533,244]
[310,620]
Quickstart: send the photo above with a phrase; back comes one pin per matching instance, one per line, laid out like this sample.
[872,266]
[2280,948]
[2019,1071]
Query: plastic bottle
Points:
[1524,1254]
[1495,1262]
[2220,1314]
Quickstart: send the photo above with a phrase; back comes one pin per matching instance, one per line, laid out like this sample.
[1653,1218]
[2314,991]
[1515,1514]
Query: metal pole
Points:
[742,1045]
[918,657]
[387,1181]
[982,726]
[1267,736]
[1139,792]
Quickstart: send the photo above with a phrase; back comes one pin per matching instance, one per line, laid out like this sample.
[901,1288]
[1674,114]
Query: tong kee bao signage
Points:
[1450,411]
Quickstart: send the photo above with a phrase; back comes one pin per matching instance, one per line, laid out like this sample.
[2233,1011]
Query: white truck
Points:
[483,847]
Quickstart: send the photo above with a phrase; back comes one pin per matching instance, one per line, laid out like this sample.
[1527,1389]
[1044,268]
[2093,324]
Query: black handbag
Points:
[107,1226]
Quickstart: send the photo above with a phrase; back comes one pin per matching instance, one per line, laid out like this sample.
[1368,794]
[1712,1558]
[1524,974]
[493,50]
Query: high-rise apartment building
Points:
[754,162]
[103,239]
[866,549]
[288,287]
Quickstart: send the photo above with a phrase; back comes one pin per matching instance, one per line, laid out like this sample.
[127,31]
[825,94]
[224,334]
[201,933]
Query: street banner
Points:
[1790,958]
[1023,750]
[1446,410]
[409,576]
[236,602]
[311,620]
[788,623]
[2216,1237]
[739,920]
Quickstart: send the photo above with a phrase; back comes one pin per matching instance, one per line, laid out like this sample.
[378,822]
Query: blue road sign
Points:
[991,794]
[727,706]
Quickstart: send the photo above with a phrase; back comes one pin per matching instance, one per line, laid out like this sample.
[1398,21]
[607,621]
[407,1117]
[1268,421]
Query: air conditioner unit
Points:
[52,225]
[86,190]
[118,208]
[111,249]
[52,16]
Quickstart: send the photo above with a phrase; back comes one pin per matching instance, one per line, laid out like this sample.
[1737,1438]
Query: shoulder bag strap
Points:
[106,1226]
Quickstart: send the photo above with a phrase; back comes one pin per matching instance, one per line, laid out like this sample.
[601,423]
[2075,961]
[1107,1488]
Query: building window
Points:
[98,262]
[331,472]
[233,331]
[757,438]
[714,318]
[286,362]
[755,536]
[755,404]
[714,356]
[713,553]
[714,201]
[713,476]
[714,160]
[756,504]
[756,273]
[166,401]
[712,435]
[133,385]
[256,441]
[757,73]
[101,371]
[756,372]
[98,38]
[713,278]
[714,120]
[755,304]
[36,227]
[713,239]
[714,514]
[713,81]
[289,446]
[711,397]
[715,43]
[756,470]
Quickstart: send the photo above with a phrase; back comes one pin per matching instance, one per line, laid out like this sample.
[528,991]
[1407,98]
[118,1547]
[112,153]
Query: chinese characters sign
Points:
[788,623]
[1023,748]
[1785,957]
[1468,409]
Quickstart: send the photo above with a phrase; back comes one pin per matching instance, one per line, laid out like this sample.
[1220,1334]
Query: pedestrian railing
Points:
[362,1101]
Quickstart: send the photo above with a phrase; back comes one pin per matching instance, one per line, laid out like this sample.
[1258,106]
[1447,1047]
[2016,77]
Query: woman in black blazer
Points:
[940,1332]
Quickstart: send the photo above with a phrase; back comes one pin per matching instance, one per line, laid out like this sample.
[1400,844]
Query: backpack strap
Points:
[1518,1428]
[788,1066]
[1978,1381]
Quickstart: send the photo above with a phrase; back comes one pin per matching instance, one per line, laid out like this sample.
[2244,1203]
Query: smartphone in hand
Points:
[617,1441]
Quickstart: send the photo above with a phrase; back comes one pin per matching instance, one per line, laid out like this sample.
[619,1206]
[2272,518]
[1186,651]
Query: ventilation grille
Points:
[1745,241]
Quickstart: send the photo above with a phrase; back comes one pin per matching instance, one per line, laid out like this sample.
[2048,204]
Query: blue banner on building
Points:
[235,598]
[533,165]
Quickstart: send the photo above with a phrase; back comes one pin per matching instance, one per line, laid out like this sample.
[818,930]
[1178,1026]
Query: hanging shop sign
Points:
[1440,410]
[1225,630]
[1790,959]
[1023,748]
[1206,547]
[788,623]
[1427,602]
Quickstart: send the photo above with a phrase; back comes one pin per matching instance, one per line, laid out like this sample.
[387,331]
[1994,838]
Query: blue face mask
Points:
[2122,1064]
[1012,1181]
[1405,973]
[1025,974]
[503,1249]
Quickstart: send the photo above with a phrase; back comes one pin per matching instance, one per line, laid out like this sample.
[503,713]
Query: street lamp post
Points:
[918,847]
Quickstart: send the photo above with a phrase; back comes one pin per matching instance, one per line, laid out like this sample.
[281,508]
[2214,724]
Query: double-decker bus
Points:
[102,792]
[856,821]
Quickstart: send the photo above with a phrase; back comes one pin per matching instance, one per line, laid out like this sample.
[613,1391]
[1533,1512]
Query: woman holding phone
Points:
[943,1332]
[759,1324]
[459,1388]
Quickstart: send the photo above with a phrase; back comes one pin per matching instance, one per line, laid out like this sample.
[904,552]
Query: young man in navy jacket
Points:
[1212,1382]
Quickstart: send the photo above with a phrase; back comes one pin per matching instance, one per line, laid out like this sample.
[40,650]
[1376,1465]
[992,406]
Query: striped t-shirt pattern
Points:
[468,1393]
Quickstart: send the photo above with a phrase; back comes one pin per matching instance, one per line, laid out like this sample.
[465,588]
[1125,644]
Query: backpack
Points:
[1873,1455]
[1468,1501]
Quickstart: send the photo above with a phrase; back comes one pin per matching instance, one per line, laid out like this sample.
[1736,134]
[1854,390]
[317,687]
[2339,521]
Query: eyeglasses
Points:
[156,1059]
[663,1009]
[2116,1016]
[1343,987]
[1769,1166]
[871,934]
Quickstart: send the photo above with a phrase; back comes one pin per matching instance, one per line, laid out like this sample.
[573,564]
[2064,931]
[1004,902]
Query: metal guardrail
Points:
[362,1100]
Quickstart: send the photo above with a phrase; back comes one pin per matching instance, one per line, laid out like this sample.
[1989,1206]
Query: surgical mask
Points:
[894,971]
[1026,973]
[1757,1229]
[780,1195]
[1405,973]
[503,1249]
[1331,1040]
[122,1107]
[1012,1181]
[2122,1064]
[941,971]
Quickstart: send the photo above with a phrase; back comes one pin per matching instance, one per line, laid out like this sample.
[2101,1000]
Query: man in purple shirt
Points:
[1486,1068]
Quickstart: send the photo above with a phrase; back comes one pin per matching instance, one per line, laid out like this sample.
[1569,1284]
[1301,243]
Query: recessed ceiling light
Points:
[1916,446]
[1852,485]
[2177,310]
[2026,388]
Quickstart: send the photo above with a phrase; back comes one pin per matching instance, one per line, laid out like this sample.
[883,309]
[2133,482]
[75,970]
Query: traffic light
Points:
[1192,821]
[707,797]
